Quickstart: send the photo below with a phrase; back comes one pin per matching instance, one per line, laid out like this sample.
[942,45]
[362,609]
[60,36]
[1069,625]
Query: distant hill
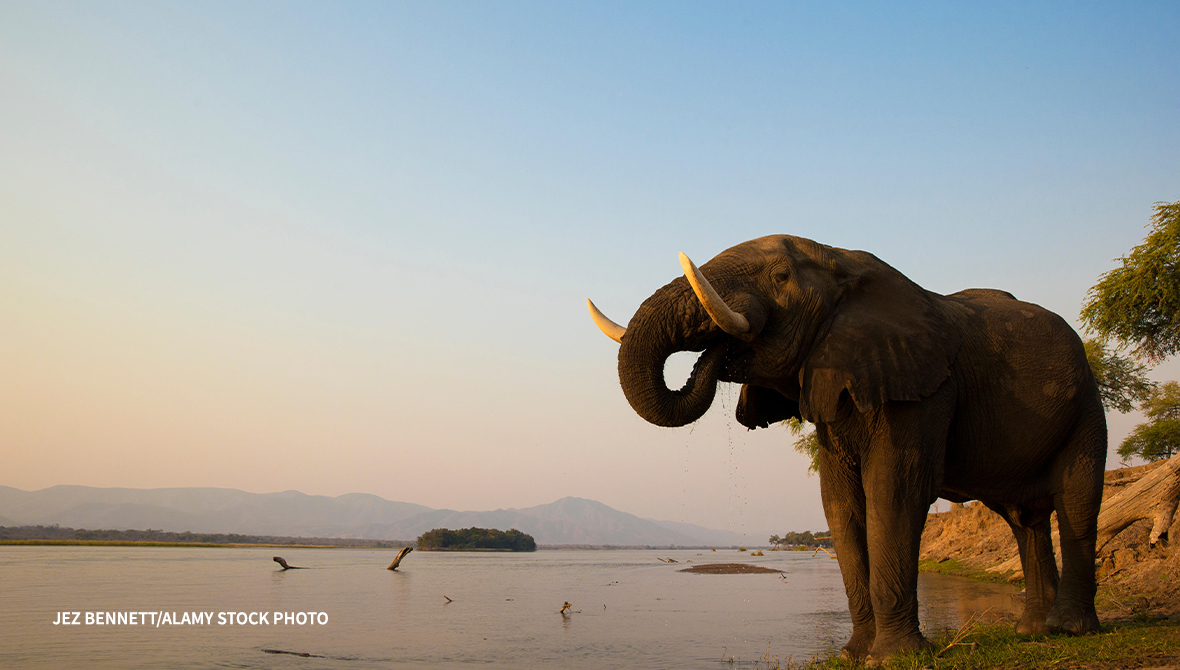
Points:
[206,510]
[354,515]
[565,521]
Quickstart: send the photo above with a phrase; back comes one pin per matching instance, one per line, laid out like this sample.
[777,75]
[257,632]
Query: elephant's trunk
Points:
[669,321]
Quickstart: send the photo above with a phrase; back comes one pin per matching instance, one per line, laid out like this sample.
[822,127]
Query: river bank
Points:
[1137,601]
[1152,644]
[1135,577]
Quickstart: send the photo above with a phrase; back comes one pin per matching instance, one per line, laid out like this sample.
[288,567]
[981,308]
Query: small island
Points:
[476,539]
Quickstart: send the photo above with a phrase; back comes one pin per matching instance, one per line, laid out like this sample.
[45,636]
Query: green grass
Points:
[954,567]
[1129,644]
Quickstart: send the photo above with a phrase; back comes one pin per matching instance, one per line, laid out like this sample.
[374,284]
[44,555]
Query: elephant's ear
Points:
[758,407]
[889,339]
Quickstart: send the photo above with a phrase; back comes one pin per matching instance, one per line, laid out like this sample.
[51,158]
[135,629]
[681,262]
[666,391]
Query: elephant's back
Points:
[1030,339]
[983,295]
[1023,380]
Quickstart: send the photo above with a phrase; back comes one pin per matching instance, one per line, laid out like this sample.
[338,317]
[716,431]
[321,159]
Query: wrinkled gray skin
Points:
[915,395]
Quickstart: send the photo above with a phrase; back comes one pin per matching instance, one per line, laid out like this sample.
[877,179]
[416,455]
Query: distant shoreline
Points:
[230,545]
[210,545]
[56,535]
[41,535]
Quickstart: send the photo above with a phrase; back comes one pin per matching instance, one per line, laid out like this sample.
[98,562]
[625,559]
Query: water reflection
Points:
[949,602]
[628,609]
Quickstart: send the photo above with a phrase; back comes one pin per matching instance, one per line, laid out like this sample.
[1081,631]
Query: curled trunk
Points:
[670,321]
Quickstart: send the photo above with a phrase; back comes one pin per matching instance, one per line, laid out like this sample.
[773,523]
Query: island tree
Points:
[804,539]
[476,538]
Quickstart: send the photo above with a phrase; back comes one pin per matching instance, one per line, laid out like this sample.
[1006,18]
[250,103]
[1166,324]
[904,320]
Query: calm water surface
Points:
[629,610]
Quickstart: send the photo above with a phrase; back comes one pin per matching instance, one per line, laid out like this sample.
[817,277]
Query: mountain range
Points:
[568,521]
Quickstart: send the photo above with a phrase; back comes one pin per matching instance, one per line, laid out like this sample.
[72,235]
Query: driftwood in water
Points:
[400,555]
[1153,496]
[280,561]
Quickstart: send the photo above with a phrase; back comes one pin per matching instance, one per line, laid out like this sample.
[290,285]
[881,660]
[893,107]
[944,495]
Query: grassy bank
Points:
[1128,644]
[955,568]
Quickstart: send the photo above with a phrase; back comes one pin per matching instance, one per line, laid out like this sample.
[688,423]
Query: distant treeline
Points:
[149,535]
[821,538]
[477,538]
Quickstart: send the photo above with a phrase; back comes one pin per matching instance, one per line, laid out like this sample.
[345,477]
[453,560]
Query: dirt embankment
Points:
[1134,577]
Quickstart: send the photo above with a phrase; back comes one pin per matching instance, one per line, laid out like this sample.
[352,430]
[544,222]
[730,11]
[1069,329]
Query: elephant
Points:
[914,395]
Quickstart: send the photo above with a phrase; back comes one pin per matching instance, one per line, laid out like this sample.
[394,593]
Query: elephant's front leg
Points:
[844,507]
[900,470]
[894,533]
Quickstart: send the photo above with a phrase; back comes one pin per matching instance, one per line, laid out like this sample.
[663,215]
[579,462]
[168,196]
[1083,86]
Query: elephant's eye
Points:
[781,276]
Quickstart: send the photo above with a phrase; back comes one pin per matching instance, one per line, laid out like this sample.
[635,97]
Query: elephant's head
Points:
[800,324]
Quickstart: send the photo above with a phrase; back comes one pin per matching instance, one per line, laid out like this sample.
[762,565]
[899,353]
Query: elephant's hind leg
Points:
[1030,526]
[1079,473]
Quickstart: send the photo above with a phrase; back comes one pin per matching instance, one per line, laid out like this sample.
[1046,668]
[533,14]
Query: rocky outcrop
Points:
[971,534]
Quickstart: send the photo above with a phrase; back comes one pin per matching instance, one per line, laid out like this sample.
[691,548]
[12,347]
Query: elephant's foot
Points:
[860,643]
[883,650]
[1032,621]
[1035,626]
[1072,619]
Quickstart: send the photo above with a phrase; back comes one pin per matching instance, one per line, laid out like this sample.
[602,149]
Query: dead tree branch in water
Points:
[280,561]
[400,555]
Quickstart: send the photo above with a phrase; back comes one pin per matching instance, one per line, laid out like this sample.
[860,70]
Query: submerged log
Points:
[280,561]
[1154,496]
[400,555]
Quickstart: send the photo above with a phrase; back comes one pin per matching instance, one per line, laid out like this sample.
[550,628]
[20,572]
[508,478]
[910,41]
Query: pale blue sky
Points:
[346,247]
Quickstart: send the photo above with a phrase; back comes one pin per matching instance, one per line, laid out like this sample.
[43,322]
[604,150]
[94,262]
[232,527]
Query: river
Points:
[439,610]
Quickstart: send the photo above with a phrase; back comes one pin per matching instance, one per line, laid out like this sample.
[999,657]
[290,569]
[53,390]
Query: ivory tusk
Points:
[728,320]
[613,330]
